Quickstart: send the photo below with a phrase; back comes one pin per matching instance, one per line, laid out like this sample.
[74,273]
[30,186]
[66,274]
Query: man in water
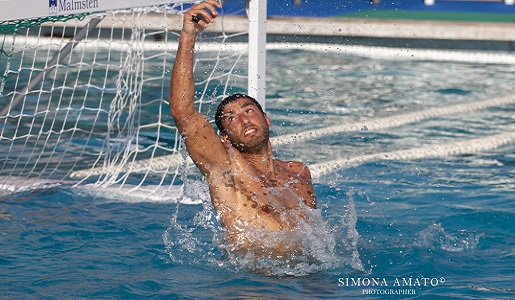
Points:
[255,195]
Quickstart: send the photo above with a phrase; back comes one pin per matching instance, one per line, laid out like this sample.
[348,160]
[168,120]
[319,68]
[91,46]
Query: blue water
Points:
[443,223]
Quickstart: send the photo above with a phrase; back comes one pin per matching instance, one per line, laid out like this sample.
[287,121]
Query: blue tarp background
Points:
[328,8]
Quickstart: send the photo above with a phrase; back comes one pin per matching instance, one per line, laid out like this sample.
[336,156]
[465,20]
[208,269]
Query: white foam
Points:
[118,193]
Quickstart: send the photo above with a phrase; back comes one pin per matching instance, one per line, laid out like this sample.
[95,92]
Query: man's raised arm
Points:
[202,142]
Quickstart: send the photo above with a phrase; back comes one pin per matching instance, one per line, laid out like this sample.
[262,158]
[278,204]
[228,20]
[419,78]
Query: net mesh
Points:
[100,116]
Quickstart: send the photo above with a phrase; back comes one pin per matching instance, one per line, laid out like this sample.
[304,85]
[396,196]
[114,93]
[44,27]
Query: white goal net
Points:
[94,113]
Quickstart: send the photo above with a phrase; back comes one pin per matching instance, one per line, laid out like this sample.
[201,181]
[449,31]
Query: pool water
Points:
[427,228]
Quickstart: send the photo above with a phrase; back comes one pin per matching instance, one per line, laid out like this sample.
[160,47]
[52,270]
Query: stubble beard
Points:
[254,145]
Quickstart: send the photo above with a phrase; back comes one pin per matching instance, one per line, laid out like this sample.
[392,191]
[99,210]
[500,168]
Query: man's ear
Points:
[267,120]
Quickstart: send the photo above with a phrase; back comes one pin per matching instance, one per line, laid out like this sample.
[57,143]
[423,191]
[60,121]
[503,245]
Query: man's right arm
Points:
[202,142]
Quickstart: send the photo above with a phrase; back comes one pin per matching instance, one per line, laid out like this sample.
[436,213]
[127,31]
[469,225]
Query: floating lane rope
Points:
[441,150]
[173,161]
[158,164]
[390,122]
[395,53]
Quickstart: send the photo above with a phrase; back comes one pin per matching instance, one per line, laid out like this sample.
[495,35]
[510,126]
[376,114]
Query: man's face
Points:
[245,126]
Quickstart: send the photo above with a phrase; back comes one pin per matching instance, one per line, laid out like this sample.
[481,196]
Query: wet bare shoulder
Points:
[304,185]
[297,168]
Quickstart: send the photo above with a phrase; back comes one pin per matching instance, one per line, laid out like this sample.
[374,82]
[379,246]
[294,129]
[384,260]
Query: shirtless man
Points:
[250,189]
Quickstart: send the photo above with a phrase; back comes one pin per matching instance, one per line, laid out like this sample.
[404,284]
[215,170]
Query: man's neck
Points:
[262,161]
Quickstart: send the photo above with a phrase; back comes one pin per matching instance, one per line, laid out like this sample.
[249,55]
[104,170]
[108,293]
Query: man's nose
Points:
[244,119]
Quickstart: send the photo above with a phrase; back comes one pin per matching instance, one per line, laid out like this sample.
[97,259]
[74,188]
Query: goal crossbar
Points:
[28,9]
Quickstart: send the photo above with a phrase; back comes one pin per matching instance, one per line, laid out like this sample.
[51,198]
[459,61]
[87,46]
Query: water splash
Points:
[315,250]
[435,237]
[193,232]
[195,237]
[351,242]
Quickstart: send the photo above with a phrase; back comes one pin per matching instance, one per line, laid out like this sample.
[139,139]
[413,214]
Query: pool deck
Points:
[381,28]
[358,27]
